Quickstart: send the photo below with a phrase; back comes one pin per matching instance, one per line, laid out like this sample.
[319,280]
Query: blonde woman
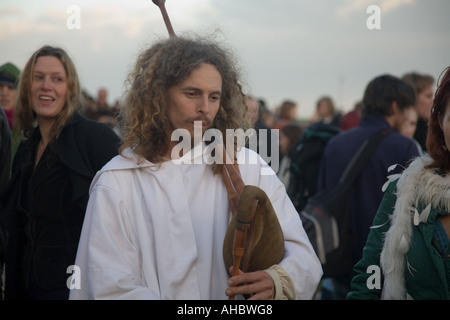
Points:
[45,200]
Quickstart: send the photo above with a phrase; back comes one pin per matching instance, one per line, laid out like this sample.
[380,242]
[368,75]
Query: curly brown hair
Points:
[435,136]
[165,64]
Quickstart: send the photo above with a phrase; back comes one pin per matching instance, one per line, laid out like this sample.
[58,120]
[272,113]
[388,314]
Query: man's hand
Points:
[258,284]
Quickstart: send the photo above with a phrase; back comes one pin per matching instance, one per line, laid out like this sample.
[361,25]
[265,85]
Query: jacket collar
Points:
[417,184]
[374,121]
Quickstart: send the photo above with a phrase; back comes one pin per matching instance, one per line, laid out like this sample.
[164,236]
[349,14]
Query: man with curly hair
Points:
[158,214]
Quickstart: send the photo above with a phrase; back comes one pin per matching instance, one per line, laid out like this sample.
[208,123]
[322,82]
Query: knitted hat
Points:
[9,75]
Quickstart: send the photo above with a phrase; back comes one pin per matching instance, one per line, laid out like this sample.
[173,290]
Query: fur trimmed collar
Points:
[415,185]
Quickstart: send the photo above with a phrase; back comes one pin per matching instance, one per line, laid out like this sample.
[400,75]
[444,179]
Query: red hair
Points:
[436,146]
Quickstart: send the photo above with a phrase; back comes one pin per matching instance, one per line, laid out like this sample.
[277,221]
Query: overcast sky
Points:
[288,49]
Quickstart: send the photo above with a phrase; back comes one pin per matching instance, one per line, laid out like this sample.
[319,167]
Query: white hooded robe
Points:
[156,231]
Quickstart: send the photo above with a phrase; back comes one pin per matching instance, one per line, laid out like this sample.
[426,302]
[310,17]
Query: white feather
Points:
[392,167]
[391,178]
[416,217]
[403,246]
[425,213]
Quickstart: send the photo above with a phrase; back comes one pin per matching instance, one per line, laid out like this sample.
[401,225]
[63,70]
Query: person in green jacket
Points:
[407,253]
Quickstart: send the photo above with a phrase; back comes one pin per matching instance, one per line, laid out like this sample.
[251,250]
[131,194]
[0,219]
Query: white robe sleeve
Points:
[108,265]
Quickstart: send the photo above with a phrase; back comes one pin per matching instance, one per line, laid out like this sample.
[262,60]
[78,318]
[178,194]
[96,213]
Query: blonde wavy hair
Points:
[24,118]
[165,64]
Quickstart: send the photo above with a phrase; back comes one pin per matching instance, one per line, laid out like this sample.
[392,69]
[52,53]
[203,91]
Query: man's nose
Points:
[203,105]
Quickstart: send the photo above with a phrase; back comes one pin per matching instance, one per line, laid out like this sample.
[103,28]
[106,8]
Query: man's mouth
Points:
[202,123]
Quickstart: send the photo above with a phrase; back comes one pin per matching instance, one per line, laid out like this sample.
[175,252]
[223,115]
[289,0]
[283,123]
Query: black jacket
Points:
[5,149]
[83,146]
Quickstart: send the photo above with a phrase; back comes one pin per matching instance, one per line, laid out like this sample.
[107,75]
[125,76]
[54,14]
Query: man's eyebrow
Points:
[190,88]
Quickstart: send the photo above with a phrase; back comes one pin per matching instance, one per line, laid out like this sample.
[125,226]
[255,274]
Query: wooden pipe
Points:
[162,7]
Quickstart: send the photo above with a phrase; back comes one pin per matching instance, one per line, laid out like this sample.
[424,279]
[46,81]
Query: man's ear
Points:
[394,108]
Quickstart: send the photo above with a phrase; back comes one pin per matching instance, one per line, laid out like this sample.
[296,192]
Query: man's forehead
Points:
[205,77]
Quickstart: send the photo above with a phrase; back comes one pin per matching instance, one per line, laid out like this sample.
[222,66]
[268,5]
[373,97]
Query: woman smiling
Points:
[44,203]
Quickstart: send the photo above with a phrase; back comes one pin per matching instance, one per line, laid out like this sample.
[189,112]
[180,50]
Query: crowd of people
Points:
[402,106]
[109,190]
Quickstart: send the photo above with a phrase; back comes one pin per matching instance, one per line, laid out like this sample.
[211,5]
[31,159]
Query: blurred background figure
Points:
[5,156]
[287,114]
[289,136]
[423,85]
[263,132]
[385,99]
[266,116]
[409,126]
[351,119]
[326,112]
[101,111]
[9,79]
[253,109]
[5,174]
[88,101]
